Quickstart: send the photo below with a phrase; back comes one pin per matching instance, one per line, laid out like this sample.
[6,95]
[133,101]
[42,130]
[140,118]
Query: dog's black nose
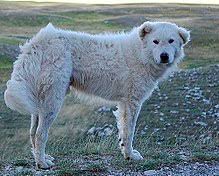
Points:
[164,58]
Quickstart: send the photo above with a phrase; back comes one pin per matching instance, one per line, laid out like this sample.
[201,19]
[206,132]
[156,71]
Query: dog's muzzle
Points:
[164,58]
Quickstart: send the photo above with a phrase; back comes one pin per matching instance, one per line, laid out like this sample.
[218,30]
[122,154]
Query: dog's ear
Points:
[145,29]
[184,34]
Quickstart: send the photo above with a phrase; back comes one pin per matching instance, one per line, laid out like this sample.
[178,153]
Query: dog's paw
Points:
[42,165]
[48,157]
[135,155]
[47,164]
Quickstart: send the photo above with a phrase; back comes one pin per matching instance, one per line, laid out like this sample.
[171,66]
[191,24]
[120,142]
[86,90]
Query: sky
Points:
[128,1]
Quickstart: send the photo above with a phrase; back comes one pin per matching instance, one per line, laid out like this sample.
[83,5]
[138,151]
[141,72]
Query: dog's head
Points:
[163,42]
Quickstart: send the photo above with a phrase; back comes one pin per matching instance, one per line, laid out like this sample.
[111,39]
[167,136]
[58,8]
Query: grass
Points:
[9,40]
[5,62]
[201,156]
[77,153]
[164,137]
[193,63]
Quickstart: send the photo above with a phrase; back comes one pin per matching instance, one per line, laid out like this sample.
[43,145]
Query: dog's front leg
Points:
[126,115]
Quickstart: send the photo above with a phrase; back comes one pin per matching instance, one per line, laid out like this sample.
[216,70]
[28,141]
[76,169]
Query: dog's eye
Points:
[171,41]
[156,42]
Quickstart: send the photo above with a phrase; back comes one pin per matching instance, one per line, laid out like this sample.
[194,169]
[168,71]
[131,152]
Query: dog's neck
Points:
[160,72]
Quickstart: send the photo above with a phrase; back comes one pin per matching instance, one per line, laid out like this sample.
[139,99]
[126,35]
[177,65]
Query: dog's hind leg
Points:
[33,128]
[49,107]
[43,161]
[52,85]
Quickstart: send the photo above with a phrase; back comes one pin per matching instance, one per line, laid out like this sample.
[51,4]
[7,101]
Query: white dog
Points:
[113,69]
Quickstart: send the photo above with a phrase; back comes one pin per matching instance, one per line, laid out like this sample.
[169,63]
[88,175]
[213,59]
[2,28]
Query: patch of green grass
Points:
[74,20]
[21,162]
[190,63]
[5,62]
[9,40]
[150,164]
[95,22]
[5,74]
[84,16]
[205,156]
[32,20]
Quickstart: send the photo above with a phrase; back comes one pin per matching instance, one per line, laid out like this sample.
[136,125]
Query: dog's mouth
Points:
[166,64]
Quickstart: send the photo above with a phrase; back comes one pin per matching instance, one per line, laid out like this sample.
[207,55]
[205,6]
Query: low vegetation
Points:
[178,124]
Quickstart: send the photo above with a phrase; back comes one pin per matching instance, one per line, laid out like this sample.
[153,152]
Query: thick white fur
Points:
[111,69]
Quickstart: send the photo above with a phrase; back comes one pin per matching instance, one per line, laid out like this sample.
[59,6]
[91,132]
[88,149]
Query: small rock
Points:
[161,114]
[146,127]
[174,112]
[206,101]
[211,85]
[108,131]
[201,123]
[195,167]
[157,106]
[105,131]
[184,157]
[143,132]
[166,97]
[216,115]
[156,130]
[38,173]
[187,110]
[182,118]
[150,172]
[91,130]
[156,111]
[176,104]
[188,96]
[168,124]
[104,109]
[181,153]
[161,119]
[217,106]
[207,139]
[204,113]
[7,168]
[166,168]
[19,169]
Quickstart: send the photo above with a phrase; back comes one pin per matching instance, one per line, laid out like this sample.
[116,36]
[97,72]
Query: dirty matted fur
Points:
[111,69]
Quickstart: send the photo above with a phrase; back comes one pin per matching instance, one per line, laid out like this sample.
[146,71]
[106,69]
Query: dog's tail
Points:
[18,97]
[20,94]
[25,87]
